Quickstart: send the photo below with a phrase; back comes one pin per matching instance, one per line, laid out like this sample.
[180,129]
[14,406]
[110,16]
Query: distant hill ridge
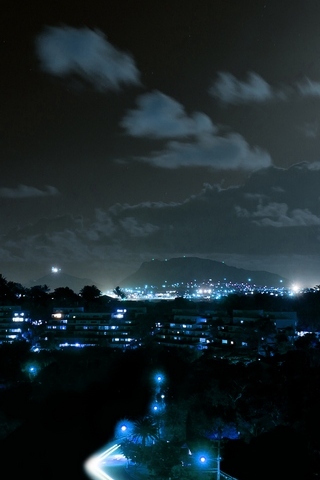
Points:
[57,280]
[188,269]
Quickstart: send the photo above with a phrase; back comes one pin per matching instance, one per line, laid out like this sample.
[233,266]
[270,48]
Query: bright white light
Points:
[93,465]
[295,288]
[55,269]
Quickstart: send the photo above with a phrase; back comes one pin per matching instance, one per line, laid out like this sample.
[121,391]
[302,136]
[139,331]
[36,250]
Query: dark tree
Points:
[90,293]
[120,293]
[65,296]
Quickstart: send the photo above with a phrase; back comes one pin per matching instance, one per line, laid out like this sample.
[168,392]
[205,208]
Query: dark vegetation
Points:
[70,409]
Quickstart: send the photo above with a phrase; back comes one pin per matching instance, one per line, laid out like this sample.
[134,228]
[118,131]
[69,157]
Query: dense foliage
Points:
[79,396]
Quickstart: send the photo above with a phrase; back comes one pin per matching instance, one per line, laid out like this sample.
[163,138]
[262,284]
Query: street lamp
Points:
[123,429]
[159,379]
[123,432]
[206,463]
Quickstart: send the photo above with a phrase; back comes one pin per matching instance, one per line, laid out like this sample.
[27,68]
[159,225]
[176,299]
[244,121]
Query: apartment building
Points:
[15,324]
[75,327]
[184,330]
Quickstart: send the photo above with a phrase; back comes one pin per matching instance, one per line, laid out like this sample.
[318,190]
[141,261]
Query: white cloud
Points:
[313,166]
[278,215]
[87,53]
[309,88]
[160,116]
[24,191]
[228,89]
[224,153]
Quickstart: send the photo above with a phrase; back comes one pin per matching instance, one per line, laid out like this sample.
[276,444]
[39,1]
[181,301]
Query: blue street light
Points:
[209,463]
[123,429]
[159,378]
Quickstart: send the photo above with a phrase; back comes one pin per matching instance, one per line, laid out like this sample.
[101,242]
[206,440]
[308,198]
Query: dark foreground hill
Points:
[190,269]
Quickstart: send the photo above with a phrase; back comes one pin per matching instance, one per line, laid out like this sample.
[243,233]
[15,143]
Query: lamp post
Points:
[156,410]
[205,461]
[218,460]
[158,405]
[159,378]
[123,432]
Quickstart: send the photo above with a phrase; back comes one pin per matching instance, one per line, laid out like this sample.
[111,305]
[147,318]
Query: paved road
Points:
[119,473]
[109,464]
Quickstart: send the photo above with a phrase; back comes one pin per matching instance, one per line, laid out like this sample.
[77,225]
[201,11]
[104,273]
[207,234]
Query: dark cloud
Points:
[25,191]
[247,220]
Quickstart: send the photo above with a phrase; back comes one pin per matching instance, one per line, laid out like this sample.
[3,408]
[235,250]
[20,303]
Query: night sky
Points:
[133,130]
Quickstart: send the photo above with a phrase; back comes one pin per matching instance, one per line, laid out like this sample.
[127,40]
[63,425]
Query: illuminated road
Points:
[108,465]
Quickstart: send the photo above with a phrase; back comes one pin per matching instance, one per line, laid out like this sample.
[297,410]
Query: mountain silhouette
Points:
[184,270]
